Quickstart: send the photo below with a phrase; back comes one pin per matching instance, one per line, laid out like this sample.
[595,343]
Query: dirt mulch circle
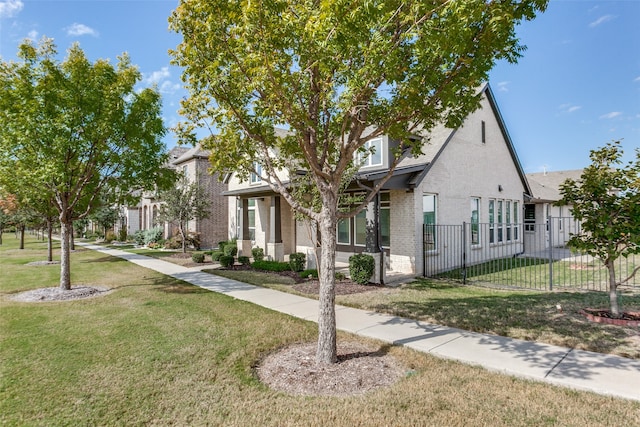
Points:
[40,263]
[57,294]
[359,369]
[343,287]
[604,316]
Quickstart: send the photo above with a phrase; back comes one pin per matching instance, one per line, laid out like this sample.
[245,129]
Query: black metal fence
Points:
[528,255]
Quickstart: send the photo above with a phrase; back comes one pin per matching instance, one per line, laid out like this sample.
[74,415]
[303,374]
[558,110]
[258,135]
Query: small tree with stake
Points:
[606,200]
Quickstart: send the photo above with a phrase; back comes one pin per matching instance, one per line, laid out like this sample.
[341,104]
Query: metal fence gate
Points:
[527,255]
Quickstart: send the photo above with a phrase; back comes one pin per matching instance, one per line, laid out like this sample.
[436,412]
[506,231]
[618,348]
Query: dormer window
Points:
[373,154]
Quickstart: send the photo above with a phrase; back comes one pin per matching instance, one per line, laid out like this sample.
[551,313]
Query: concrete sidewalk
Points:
[601,373]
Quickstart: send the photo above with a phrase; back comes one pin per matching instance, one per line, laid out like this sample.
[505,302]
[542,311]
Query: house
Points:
[193,163]
[547,224]
[470,175]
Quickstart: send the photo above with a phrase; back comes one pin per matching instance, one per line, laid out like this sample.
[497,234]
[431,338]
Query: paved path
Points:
[601,373]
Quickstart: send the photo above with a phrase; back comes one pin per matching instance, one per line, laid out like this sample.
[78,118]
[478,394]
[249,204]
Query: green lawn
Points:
[157,351]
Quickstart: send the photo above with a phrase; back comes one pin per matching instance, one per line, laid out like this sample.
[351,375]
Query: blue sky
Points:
[576,88]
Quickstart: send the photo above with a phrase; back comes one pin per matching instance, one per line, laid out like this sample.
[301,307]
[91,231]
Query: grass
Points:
[157,351]
[527,315]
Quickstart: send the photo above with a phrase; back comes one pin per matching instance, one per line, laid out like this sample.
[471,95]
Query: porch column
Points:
[244,239]
[275,248]
[373,247]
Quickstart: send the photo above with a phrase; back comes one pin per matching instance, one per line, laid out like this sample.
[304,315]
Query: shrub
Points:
[138,237]
[197,257]
[271,266]
[122,235]
[340,275]
[297,261]
[152,235]
[221,246]
[308,274]
[215,255]
[226,260]
[154,245]
[173,243]
[258,254]
[110,236]
[230,250]
[244,260]
[361,268]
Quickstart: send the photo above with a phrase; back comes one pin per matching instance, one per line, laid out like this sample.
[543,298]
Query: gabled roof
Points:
[191,153]
[545,186]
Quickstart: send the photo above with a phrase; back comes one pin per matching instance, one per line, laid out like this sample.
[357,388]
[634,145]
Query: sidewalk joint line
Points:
[558,363]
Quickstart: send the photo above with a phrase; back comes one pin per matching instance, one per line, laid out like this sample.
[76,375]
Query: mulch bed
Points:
[343,287]
[604,316]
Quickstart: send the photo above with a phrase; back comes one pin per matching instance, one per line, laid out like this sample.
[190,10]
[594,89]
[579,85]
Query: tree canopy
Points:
[606,201]
[77,131]
[336,74]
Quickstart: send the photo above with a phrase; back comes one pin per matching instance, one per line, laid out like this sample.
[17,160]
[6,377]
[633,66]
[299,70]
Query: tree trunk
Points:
[327,351]
[613,287]
[65,254]
[22,227]
[72,238]
[184,238]
[49,240]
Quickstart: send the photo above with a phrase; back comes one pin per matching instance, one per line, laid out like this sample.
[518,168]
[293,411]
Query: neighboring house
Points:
[540,231]
[193,163]
[467,175]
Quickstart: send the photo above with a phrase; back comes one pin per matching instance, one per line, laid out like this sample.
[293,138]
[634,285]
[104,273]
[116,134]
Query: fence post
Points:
[464,253]
[550,225]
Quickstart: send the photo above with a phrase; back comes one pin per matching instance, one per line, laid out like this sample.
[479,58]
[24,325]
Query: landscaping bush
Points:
[230,249]
[138,237]
[110,237]
[122,235]
[361,268]
[297,261]
[152,235]
[226,260]
[340,275]
[221,245]
[308,274]
[258,254]
[173,243]
[271,266]
[215,255]
[193,240]
[244,260]
[197,257]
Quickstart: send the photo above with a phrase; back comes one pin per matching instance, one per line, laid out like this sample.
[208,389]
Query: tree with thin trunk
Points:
[336,74]
[606,202]
[77,131]
[184,202]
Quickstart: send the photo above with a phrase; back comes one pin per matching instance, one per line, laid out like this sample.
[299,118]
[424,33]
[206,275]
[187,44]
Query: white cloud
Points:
[158,76]
[10,8]
[637,79]
[503,86]
[569,108]
[76,29]
[601,20]
[611,115]
[33,35]
[169,87]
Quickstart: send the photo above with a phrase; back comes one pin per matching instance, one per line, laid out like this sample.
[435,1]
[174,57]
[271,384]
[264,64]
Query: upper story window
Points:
[484,132]
[373,154]
[256,176]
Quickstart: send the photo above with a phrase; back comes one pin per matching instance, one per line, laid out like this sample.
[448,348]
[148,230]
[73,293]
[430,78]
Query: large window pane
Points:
[344,237]
[429,219]
[385,227]
[361,228]
[475,221]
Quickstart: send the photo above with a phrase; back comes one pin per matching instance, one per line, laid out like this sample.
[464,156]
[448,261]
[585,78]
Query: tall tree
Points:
[186,201]
[336,73]
[606,201]
[77,130]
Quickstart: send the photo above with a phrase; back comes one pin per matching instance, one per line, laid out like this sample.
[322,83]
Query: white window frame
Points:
[376,143]
[256,177]
[475,207]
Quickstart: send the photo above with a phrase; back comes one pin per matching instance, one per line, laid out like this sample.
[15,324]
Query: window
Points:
[475,221]
[344,231]
[492,219]
[256,176]
[252,219]
[508,219]
[500,234]
[484,133]
[385,219]
[360,232]
[429,205]
[373,154]
[516,216]
[529,218]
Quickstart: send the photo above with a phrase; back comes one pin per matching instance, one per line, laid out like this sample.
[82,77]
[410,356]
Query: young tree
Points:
[336,73]
[186,201]
[77,130]
[606,201]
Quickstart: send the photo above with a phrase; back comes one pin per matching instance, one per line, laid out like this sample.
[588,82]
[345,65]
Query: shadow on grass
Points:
[532,316]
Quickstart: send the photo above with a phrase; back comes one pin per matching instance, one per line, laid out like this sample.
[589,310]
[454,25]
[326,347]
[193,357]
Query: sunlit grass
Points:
[157,351]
